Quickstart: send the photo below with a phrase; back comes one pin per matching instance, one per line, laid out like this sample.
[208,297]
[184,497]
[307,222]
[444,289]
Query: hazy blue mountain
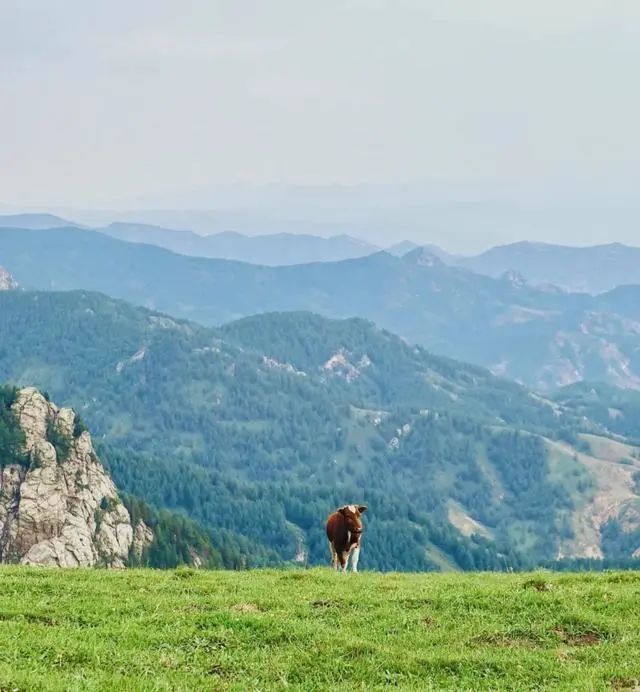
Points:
[591,269]
[405,246]
[543,338]
[272,249]
[594,269]
[624,300]
[402,248]
[259,429]
[184,242]
[33,221]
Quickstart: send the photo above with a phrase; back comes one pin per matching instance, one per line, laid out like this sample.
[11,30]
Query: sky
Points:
[164,104]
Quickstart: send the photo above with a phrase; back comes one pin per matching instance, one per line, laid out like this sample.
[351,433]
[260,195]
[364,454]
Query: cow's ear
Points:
[362,508]
[343,510]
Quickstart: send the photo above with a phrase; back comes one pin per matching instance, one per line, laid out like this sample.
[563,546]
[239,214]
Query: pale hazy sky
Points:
[112,101]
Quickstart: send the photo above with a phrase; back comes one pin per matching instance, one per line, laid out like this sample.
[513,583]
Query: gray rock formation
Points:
[7,282]
[60,507]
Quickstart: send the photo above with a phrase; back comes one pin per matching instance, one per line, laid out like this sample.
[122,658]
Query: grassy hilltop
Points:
[186,630]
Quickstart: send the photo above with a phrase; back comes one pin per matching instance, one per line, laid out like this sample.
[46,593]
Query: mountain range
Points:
[592,269]
[272,249]
[259,428]
[541,337]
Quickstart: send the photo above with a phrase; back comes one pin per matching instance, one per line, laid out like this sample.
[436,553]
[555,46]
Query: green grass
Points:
[315,630]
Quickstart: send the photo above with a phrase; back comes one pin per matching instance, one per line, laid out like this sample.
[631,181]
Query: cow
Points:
[344,531]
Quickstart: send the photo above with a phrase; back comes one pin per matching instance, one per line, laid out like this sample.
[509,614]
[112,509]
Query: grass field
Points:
[314,630]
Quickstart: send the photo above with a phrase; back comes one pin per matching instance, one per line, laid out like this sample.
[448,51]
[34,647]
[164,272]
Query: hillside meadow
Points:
[311,630]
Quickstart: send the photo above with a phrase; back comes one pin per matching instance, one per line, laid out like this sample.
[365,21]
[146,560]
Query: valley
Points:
[257,429]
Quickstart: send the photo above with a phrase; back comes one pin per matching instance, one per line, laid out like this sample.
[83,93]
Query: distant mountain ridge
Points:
[592,269]
[272,249]
[34,221]
[543,338]
[404,247]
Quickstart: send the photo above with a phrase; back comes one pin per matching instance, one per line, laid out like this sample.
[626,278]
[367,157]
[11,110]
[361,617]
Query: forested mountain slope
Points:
[259,429]
[542,338]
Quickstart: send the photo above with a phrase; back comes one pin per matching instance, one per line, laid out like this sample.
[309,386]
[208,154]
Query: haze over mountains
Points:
[463,219]
[541,337]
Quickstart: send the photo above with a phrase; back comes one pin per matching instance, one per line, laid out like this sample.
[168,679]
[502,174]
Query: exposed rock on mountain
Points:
[513,278]
[7,282]
[340,365]
[58,506]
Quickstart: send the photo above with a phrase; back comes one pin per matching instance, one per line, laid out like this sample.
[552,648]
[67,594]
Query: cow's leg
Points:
[334,556]
[355,557]
[343,558]
[347,556]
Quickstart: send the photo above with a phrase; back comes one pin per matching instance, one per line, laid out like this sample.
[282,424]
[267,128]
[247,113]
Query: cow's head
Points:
[352,515]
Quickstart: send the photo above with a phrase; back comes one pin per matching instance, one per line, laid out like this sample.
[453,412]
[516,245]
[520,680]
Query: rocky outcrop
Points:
[340,365]
[59,507]
[142,537]
[7,282]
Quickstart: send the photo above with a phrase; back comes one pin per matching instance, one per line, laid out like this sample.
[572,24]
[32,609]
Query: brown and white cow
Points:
[344,531]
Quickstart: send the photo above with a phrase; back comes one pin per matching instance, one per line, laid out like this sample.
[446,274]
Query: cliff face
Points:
[7,282]
[59,507]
